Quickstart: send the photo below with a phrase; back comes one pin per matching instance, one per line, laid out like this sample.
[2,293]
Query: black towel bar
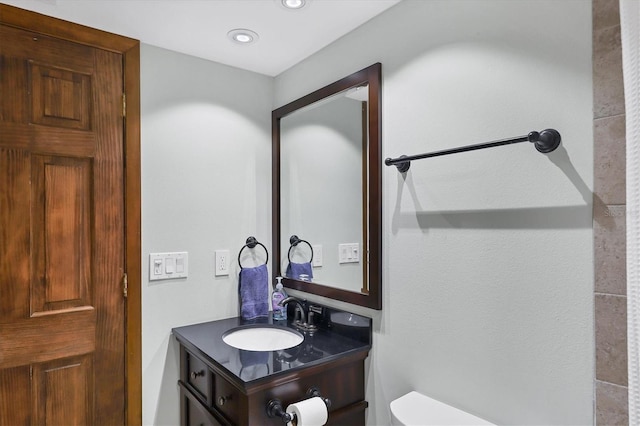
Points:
[544,141]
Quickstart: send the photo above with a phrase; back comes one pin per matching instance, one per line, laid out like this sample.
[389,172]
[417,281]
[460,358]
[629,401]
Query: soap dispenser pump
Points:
[279,312]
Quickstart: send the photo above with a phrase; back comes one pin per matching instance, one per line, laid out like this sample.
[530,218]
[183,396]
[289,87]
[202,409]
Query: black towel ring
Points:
[252,243]
[294,241]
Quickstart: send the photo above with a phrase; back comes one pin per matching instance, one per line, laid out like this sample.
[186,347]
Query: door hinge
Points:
[124,105]
[125,285]
[31,372]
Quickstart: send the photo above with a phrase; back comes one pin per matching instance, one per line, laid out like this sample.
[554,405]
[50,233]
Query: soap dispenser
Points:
[279,312]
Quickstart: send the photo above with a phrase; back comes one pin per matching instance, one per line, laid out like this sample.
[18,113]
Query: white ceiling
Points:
[199,27]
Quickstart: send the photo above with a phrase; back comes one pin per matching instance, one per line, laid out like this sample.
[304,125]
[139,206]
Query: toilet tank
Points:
[417,409]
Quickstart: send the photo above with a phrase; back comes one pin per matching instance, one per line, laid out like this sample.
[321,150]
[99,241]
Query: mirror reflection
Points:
[321,190]
[326,190]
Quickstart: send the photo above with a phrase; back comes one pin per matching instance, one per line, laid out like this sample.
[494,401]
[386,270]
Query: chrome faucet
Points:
[301,318]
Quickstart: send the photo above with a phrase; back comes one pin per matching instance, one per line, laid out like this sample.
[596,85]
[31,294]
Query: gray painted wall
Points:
[206,185]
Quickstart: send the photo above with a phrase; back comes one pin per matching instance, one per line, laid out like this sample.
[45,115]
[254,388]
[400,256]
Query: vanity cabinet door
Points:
[199,377]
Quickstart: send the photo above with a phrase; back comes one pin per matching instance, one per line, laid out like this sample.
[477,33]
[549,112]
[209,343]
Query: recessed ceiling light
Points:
[242,36]
[294,4]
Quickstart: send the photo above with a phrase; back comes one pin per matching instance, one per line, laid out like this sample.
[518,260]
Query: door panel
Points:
[62,231]
[15,382]
[61,223]
[63,392]
[60,97]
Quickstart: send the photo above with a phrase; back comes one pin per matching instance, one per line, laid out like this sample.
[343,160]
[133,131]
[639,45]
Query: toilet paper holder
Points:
[275,409]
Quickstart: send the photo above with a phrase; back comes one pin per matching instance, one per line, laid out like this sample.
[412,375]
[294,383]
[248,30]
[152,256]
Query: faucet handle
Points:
[311,311]
[316,309]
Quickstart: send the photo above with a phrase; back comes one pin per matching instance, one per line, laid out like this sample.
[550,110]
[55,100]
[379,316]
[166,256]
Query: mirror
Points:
[327,203]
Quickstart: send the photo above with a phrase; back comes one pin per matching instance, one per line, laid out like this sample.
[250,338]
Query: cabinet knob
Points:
[196,374]
[223,399]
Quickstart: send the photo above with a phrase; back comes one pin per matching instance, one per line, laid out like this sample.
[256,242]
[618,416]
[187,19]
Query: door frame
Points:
[130,50]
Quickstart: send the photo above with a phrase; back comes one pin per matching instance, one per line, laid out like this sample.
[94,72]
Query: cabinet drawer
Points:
[198,416]
[199,376]
[227,400]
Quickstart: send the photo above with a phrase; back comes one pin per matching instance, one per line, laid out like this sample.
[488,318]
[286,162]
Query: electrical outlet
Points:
[222,262]
[317,255]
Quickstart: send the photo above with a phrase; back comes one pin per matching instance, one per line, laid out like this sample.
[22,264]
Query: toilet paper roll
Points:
[310,412]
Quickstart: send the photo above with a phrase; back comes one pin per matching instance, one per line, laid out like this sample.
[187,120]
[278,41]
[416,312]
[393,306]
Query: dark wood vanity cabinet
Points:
[210,396]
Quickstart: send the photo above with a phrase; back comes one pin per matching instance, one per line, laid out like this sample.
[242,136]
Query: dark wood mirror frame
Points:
[372,76]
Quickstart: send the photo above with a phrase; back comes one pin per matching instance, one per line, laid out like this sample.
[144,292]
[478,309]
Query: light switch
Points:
[342,253]
[169,265]
[157,267]
[179,265]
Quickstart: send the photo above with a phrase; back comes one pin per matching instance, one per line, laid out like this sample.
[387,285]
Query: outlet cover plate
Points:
[222,262]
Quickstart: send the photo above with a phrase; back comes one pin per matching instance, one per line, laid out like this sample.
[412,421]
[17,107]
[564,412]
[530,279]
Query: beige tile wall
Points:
[609,221]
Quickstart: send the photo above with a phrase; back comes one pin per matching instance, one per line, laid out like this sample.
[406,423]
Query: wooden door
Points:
[62,240]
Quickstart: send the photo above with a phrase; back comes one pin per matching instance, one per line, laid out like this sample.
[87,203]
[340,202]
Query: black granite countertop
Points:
[347,334]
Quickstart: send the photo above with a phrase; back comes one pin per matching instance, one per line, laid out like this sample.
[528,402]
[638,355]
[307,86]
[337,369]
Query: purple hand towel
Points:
[294,270]
[254,292]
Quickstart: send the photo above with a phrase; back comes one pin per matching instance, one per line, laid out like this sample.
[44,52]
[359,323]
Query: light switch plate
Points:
[349,253]
[168,266]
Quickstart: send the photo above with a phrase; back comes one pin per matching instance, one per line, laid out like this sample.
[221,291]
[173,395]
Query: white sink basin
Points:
[262,338]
